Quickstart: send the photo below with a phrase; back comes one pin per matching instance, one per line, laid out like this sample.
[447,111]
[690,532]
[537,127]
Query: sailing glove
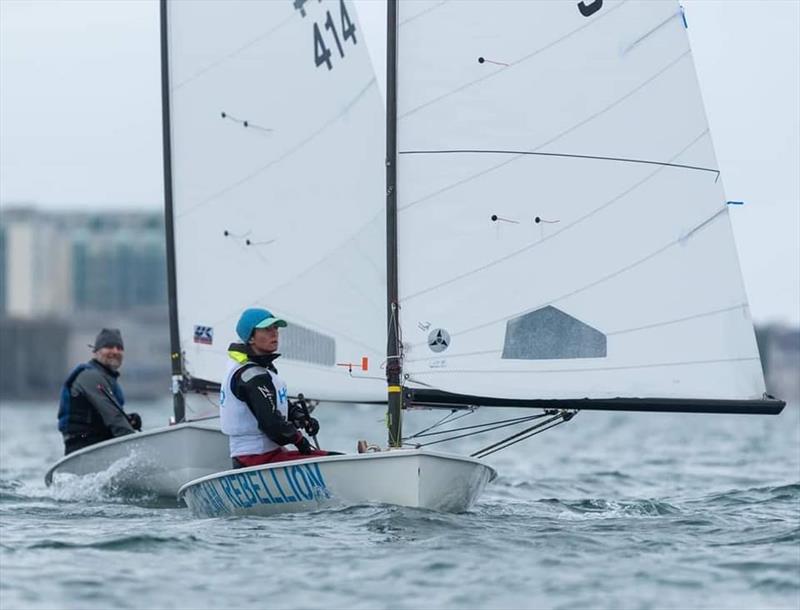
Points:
[135,421]
[302,444]
[312,426]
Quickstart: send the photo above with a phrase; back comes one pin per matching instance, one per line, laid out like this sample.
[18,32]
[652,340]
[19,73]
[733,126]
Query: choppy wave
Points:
[660,519]
[763,496]
[132,542]
[612,509]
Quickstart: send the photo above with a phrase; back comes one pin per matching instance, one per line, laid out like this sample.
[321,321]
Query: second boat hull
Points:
[157,462]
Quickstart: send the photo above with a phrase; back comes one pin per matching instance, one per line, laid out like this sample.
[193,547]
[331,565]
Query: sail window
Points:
[300,343]
[550,334]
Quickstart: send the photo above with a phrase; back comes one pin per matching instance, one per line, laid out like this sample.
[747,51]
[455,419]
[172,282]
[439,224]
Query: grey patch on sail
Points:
[300,343]
[551,334]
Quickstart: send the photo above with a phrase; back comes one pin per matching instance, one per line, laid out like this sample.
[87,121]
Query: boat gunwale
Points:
[394,453]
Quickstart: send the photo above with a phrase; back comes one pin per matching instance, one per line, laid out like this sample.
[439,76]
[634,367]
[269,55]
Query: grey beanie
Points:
[108,337]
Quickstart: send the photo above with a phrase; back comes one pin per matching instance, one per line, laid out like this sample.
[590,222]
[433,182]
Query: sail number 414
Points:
[322,51]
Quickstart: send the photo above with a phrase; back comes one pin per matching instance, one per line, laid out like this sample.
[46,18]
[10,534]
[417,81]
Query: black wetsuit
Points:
[91,407]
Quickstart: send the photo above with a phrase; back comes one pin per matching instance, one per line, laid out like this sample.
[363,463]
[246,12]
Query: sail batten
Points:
[555,154]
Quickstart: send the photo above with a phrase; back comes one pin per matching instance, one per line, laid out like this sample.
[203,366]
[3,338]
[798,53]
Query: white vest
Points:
[238,421]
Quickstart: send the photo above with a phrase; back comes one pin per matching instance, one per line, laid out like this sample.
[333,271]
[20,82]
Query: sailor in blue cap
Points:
[254,406]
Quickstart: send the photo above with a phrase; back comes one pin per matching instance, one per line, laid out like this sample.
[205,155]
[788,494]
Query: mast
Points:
[393,362]
[169,226]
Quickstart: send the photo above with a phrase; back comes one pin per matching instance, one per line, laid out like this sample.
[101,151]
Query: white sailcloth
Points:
[277,176]
[563,230]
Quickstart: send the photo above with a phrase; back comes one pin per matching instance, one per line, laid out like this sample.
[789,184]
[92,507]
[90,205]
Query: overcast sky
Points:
[80,116]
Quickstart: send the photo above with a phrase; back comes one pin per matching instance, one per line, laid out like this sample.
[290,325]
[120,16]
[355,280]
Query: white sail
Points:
[277,178]
[609,269]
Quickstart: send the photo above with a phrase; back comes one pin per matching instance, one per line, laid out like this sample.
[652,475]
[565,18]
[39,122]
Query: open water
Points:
[606,511]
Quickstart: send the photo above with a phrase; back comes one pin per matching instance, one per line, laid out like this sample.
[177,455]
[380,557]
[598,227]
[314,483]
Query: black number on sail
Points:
[348,29]
[587,10]
[329,26]
[322,54]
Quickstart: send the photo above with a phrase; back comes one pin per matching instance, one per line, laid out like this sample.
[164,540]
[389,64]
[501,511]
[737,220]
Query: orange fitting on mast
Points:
[364,364]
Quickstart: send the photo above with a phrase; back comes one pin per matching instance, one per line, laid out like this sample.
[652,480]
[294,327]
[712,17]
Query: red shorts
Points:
[276,455]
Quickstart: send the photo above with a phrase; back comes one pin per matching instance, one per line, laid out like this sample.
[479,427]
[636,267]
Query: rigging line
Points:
[521,433]
[510,422]
[534,433]
[394,322]
[425,12]
[485,452]
[225,58]
[590,369]
[299,145]
[409,378]
[558,136]
[598,281]
[556,233]
[608,334]
[452,438]
[438,423]
[516,62]
[565,155]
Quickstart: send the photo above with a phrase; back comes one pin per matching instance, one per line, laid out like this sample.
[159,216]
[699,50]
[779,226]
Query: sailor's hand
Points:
[302,444]
[296,414]
[135,421]
[312,426]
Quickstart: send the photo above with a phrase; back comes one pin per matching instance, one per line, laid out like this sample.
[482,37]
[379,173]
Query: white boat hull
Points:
[415,478]
[157,462]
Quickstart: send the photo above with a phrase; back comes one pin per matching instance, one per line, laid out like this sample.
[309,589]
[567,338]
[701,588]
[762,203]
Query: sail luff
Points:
[169,225]
[393,361]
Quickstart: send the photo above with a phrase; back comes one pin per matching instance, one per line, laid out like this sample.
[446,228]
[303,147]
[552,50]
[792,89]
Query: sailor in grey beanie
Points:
[108,337]
[92,406]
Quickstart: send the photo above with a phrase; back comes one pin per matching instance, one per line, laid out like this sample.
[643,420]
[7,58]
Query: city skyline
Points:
[80,117]
[56,263]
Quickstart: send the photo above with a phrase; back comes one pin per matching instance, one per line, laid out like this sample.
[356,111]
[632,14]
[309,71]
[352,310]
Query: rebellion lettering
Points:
[290,484]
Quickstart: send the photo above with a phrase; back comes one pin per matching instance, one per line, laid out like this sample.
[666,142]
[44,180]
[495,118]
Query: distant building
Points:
[779,347]
[118,261]
[63,276]
[33,358]
[2,270]
[36,265]
[57,263]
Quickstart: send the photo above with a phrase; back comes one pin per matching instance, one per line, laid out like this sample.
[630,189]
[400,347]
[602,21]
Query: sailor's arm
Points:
[254,386]
[91,383]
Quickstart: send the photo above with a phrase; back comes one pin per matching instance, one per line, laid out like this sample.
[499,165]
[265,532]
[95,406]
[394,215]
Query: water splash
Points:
[110,485]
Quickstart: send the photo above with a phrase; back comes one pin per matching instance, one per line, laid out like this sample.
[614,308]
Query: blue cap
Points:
[255,318]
